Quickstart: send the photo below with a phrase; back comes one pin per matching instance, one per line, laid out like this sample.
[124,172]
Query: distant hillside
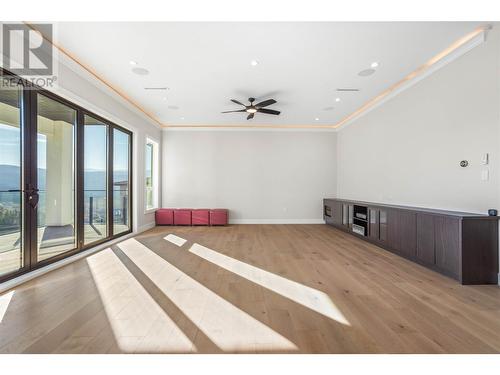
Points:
[94,180]
[10,177]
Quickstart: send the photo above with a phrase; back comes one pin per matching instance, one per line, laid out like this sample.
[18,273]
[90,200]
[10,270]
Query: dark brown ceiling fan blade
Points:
[241,110]
[265,103]
[237,102]
[268,111]
[250,116]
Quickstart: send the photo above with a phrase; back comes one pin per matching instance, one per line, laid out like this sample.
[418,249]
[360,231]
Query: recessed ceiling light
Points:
[337,100]
[140,71]
[366,72]
[132,62]
[316,119]
[164,98]
[374,64]
[182,118]
[254,63]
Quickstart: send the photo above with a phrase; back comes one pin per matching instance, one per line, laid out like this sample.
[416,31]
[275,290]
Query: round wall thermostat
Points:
[464,163]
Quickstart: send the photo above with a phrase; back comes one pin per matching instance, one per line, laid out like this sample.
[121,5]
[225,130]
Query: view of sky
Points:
[95,148]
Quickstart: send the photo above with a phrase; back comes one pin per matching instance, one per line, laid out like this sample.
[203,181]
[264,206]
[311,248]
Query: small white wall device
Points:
[485,159]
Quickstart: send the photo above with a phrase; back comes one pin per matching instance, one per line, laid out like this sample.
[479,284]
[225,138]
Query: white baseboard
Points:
[276,221]
[41,271]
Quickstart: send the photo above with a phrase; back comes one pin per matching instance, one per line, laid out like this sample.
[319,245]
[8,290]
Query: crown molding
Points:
[92,73]
[449,54]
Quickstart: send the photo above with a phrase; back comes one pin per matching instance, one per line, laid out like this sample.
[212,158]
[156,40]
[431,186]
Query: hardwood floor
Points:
[248,288]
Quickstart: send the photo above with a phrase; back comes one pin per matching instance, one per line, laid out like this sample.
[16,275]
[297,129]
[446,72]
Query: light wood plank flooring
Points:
[249,289]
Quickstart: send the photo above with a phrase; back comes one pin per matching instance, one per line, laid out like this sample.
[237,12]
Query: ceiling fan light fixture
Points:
[251,110]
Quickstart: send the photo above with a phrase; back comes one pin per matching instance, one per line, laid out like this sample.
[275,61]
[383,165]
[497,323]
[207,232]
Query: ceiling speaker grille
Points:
[347,89]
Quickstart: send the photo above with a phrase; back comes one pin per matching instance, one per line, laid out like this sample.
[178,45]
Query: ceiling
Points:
[301,65]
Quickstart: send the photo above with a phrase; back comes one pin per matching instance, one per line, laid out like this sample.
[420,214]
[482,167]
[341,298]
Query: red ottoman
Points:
[182,216]
[200,216]
[164,216]
[218,216]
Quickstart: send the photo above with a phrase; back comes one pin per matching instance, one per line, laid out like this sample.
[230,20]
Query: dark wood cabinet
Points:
[337,213]
[447,244]
[407,222]
[373,224]
[425,239]
[457,244]
[382,215]
[402,237]
[392,230]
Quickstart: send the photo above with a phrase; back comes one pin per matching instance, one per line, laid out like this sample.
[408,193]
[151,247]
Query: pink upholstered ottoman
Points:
[164,216]
[182,216]
[218,216]
[200,216]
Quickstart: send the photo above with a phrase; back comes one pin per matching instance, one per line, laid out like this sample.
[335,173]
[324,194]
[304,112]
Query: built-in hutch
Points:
[461,245]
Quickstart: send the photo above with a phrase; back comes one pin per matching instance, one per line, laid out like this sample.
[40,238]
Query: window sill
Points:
[150,210]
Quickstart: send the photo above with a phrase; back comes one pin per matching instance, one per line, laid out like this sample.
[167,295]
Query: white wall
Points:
[261,176]
[407,151]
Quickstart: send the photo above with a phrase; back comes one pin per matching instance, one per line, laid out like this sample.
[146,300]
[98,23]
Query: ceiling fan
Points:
[252,109]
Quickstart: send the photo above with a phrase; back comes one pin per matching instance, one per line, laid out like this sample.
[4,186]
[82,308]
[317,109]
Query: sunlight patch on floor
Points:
[139,324]
[176,240]
[227,326]
[299,293]
[4,303]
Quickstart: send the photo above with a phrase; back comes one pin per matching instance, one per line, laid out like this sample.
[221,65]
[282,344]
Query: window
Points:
[65,178]
[151,174]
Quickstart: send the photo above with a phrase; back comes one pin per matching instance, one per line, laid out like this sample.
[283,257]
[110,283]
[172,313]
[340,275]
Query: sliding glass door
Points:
[11,172]
[121,181]
[65,178]
[55,161]
[95,180]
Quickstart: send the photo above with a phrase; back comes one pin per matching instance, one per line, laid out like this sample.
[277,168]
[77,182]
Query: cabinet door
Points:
[382,216]
[425,238]
[447,238]
[393,229]
[402,231]
[373,230]
[337,213]
[407,221]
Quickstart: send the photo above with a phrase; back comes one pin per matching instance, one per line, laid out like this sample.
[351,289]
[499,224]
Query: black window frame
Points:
[28,108]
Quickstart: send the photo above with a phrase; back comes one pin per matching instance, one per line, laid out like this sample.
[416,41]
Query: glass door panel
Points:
[95,180]
[121,183]
[11,171]
[56,177]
